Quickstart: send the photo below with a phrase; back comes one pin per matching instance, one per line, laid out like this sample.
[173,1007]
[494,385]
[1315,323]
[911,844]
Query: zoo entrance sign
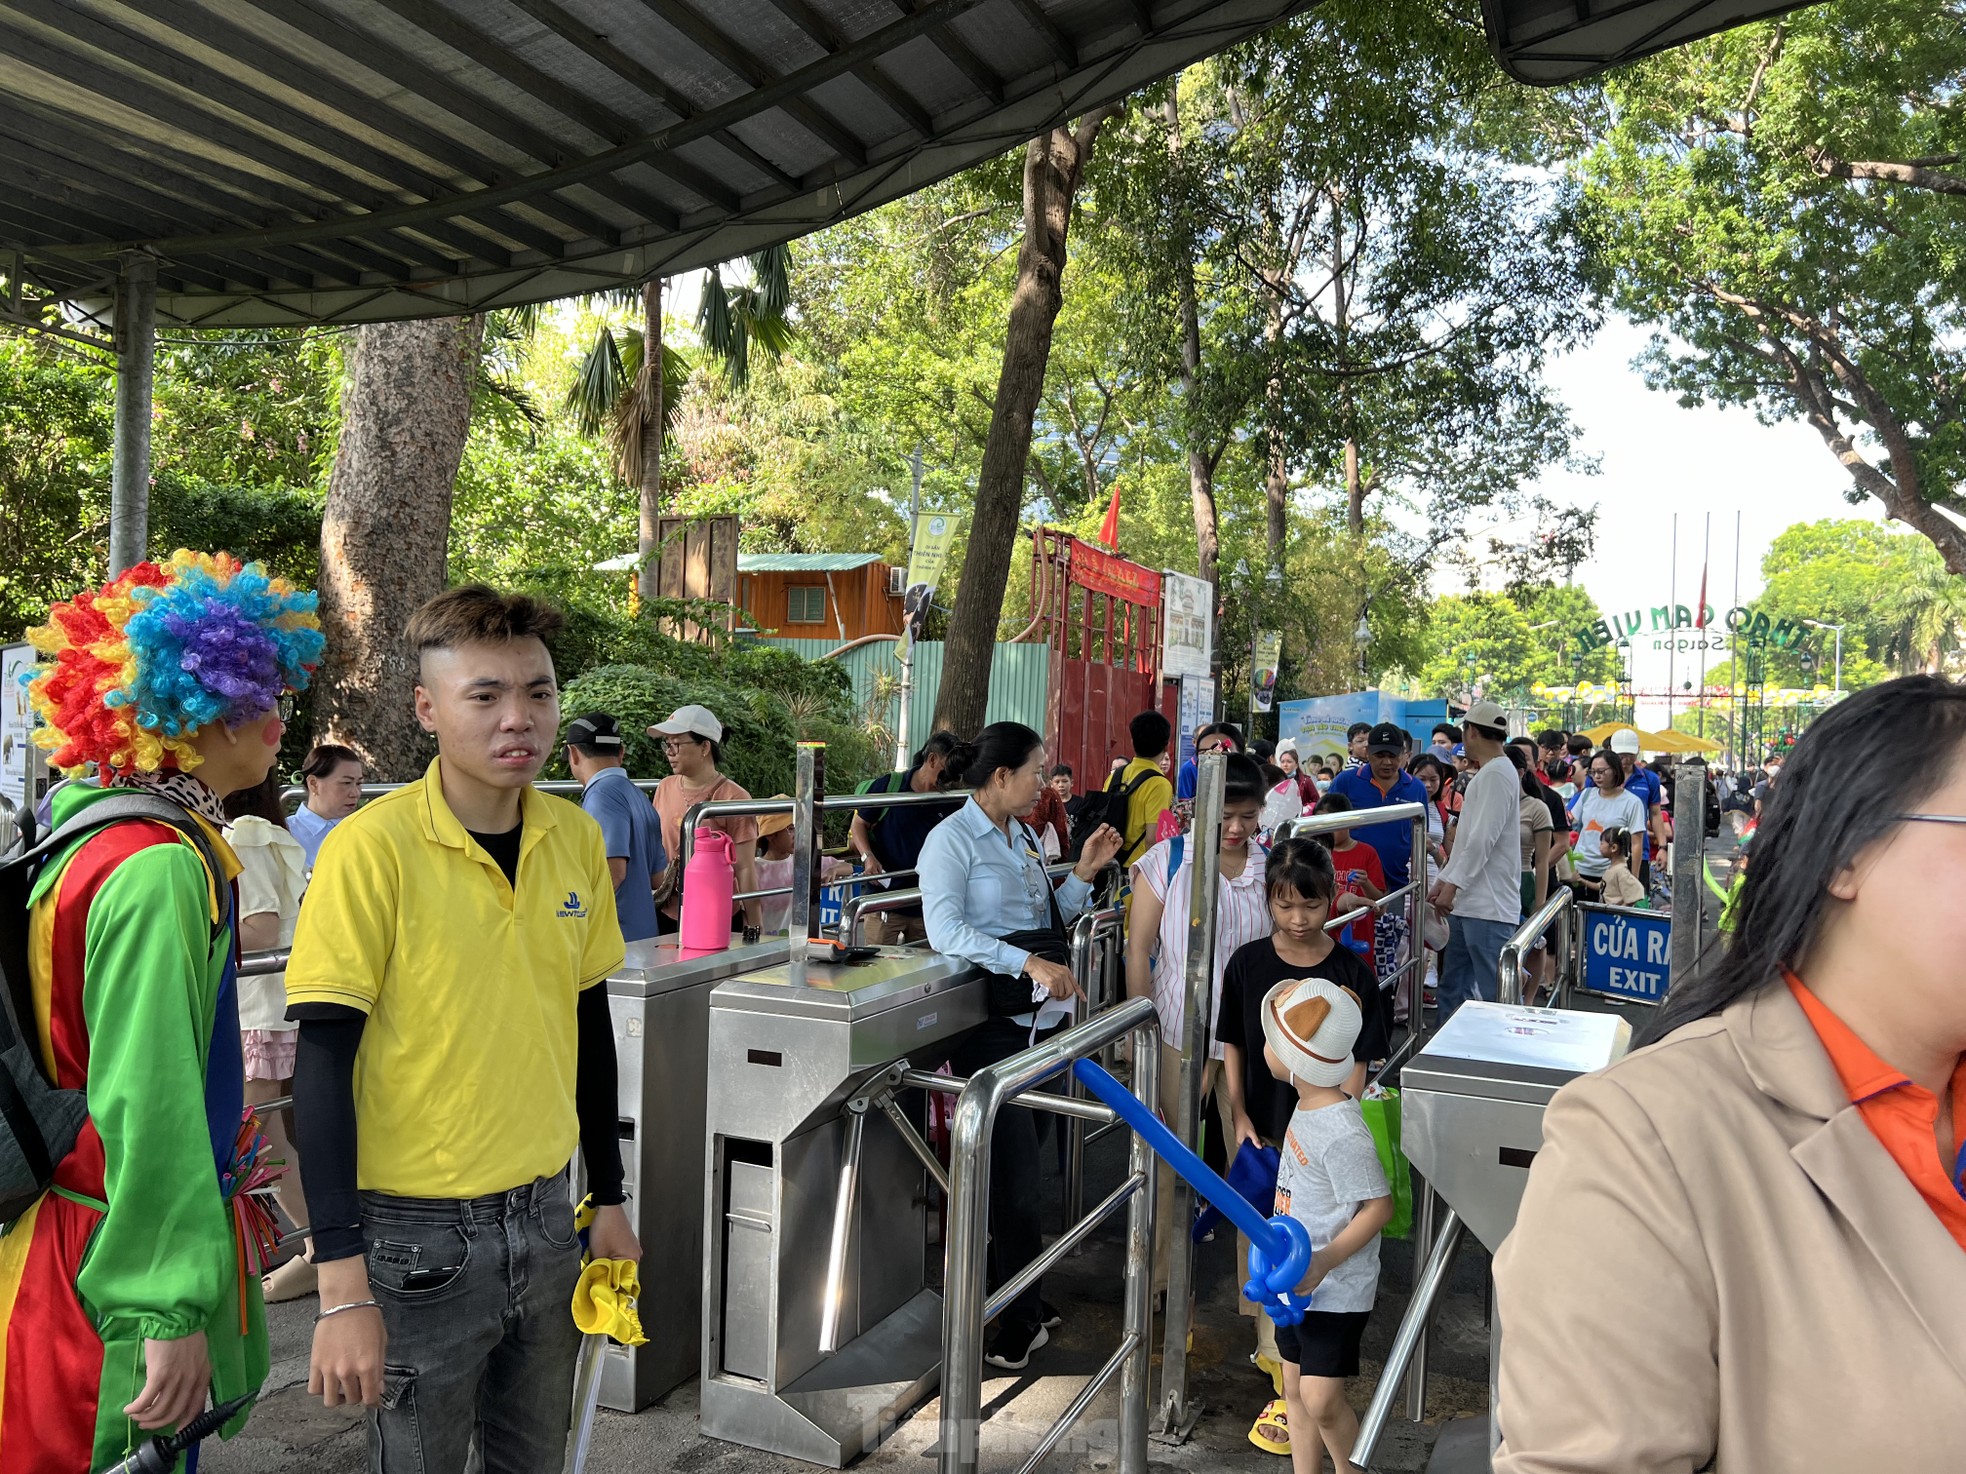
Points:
[1681,627]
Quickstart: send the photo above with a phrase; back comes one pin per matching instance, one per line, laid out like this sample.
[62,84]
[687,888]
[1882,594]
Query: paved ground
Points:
[292,1432]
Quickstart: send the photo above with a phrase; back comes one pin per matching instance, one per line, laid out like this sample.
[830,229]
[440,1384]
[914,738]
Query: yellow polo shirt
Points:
[464,1083]
[1150,800]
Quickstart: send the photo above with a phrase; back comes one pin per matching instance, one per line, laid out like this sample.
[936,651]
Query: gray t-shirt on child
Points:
[1330,1168]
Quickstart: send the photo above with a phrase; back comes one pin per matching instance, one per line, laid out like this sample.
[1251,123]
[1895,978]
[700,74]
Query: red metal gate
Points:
[1101,617]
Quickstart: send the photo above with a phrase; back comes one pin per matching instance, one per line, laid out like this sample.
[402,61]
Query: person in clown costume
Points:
[125,1297]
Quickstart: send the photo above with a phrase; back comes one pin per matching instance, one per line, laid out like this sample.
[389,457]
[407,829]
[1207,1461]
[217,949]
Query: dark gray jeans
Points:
[477,1300]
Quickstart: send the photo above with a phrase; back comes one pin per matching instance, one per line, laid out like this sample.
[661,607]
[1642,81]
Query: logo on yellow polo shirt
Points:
[572,906]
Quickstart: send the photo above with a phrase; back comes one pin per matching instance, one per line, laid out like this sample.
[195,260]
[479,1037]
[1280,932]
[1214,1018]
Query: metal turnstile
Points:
[805,1194]
[1471,1120]
[661,1006]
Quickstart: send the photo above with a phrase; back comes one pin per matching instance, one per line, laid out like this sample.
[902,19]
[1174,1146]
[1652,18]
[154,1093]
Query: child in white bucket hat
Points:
[1332,1183]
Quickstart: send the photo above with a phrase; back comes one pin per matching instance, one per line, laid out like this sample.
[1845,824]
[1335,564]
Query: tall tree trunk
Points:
[1054,163]
[653,418]
[1201,465]
[385,533]
[1276,479]
[1354,489]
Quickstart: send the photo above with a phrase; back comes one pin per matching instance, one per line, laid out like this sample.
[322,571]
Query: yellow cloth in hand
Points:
[604,1301]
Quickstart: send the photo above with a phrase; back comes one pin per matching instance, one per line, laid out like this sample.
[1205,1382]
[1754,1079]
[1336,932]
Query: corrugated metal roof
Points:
[804,562]
[313,161]
[1550,42]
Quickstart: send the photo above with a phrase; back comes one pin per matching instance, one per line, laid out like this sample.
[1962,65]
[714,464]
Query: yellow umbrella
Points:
[1603,732]
[1652,741]
[1676,742]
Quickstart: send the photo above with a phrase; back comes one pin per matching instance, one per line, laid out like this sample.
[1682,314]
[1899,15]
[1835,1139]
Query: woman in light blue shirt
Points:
[333,774]
[986,899]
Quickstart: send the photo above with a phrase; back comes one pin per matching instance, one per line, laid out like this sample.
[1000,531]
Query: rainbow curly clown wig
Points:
[134,669]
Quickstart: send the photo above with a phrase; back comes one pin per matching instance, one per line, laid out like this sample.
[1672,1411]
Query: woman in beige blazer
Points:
[1723,1260]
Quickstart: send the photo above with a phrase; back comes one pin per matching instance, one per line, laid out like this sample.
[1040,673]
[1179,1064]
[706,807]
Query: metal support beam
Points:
[1689,893]
[1177,1412]
[136,345]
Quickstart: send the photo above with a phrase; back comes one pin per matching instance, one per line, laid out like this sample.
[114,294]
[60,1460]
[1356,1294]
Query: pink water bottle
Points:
[709,881]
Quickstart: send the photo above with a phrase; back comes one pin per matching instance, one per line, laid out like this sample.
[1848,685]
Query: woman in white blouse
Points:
[272,875]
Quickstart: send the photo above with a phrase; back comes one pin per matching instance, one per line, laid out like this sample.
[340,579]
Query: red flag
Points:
[1700,614]
[1109,530]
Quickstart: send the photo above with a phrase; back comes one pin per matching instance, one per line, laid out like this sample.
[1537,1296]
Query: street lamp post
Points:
[1819,625]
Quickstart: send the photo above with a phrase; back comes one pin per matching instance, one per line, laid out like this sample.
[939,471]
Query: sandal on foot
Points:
[1271,1431]
[294,1280]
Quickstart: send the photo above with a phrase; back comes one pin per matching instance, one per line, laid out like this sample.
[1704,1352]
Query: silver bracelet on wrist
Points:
[321,1315]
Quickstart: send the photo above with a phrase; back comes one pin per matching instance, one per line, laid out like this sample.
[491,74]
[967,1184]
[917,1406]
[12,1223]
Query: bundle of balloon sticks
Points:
[247,1184]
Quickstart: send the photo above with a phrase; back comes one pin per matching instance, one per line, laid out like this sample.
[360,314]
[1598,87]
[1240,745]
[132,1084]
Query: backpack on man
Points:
[1107,805]
[39,1122]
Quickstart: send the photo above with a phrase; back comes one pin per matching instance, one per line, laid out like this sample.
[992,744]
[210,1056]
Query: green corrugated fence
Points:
[1019,676]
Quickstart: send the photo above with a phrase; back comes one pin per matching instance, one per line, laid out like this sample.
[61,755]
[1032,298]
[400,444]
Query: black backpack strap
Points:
[882,784]
[118,808]
[134,804]
[21,1125]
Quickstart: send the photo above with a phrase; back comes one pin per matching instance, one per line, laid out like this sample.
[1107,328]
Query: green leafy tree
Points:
[1784,203]
[1423,283]
[1555,613]
[54,474]
[625,391]
[1483,647]
[1505,648]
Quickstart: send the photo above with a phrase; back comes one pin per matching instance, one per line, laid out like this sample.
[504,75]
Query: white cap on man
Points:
[1625,740]
[696,721]
[1487,715]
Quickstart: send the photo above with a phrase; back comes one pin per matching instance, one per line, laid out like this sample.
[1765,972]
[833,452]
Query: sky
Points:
[1657,459]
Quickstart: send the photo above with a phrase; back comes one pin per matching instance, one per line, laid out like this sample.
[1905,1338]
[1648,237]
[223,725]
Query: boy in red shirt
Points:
[1359,871]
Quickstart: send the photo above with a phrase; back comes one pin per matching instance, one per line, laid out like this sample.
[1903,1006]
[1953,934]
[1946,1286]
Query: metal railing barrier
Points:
[293,797]
[866,904]
[1434,1253]
[1097,937]
[1523,941]
[967,1306]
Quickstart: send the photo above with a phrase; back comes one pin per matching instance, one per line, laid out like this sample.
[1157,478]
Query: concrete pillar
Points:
[136,343]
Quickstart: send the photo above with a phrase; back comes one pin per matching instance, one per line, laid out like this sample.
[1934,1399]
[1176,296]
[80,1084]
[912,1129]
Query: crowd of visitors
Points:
[447,1049]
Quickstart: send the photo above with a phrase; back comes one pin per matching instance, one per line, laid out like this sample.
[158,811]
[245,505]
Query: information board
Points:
[16,723]
[1627,956]
[1197,711]
[1187,626]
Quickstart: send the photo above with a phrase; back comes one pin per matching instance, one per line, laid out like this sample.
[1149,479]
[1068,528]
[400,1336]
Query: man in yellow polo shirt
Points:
[454,1051]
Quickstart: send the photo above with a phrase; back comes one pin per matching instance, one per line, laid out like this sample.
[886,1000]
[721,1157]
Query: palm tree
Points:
[615,391]
[1925,617]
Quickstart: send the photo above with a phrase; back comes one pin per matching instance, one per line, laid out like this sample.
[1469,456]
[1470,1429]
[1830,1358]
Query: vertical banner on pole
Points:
[934,531]
[1187,626]
[1265,655]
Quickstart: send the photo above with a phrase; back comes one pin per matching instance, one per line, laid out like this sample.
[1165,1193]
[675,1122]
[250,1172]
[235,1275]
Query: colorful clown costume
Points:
[133,977]
[131,958]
